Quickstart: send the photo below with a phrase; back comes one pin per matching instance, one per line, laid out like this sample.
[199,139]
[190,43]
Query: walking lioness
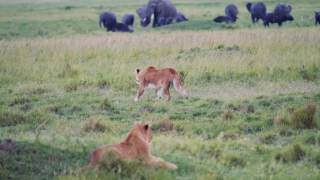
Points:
[159,79]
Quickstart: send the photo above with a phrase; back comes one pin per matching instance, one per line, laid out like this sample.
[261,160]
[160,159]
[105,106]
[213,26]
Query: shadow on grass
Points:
[37,161]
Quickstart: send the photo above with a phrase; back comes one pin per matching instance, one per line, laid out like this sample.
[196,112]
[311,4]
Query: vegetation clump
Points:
[292,154]
[233,160]
[106,105]
[304,118]
[92,125]
[227,115]
[164,125]
[11,118]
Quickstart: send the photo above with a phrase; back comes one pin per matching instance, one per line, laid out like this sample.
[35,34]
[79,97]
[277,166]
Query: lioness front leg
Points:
[159,93]
[158,162]
[139,93]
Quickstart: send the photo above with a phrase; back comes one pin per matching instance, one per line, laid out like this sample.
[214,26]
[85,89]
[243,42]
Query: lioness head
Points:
[137,76]
[144,129]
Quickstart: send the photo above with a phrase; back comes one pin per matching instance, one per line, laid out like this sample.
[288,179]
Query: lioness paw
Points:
[172,166]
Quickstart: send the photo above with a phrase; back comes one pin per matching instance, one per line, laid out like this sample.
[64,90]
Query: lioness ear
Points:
[137,71]
[146,127]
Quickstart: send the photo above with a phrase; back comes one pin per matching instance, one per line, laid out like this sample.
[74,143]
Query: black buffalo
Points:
[231,10]
[317,17]
[231,15]
[121,27]
[128,19]
[108,20]
[280,15]
[223,19]
[169,20]
[164,21]
[181,17]
[257,10]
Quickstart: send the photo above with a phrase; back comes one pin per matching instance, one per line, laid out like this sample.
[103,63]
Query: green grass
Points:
[67,86]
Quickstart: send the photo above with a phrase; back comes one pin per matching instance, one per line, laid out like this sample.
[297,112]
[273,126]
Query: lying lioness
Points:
[135,147]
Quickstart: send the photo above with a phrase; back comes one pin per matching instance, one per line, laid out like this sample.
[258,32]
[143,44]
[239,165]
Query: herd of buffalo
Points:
[164,13]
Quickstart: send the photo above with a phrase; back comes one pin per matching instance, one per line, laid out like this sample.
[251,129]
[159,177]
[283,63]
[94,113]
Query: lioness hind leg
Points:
[158,162]
[166,92]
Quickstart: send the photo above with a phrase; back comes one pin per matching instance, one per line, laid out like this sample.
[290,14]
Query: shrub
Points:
[292,154]
[11,118]
[68,71]
[113,168]
[209,176]
[20,101]
[304,117]
[163,125]
[227,115]
[223,136]
[111,163]
[267,138]
[106,105]
[92,125]
[71,87]
[233,160]
[103,84]
[282,119]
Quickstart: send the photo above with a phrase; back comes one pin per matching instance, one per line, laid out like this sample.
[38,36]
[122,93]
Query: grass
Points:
[67,86]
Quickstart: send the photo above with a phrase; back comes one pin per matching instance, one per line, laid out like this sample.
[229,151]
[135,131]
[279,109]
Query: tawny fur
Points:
[160,79]
[135,147]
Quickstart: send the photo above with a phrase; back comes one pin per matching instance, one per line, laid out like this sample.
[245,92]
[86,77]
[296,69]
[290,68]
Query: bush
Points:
[106,105]
[292,154]
[68,72]
[233,160]
[123,169]
[267,138]
[92,125]
[281,120]
[304,117]
[103,84]
[227,115]
[164,125]
[111,163]
[11,118]
[73,86]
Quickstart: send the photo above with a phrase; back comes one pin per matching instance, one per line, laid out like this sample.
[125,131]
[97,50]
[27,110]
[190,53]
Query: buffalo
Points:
[317,17]
[163,11]
[108,20]
[181,17]
[121,27]
[225,19]
[280,15]
[257,10]
[128,19]
[231,13]
[231,10]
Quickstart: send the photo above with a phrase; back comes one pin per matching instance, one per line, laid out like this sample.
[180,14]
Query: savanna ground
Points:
[67,86]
